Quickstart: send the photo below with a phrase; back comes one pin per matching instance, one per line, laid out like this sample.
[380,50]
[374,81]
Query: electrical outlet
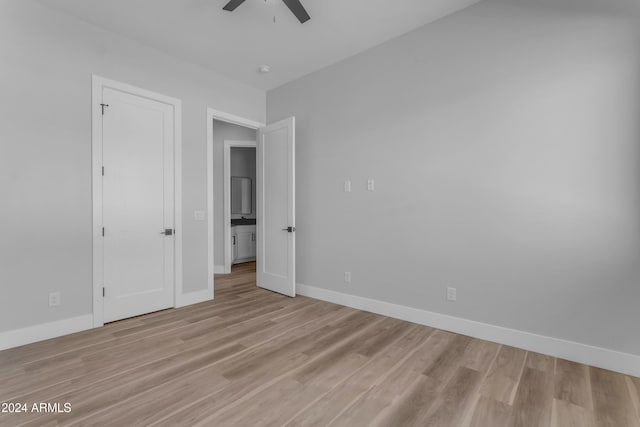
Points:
[54,299]
[451,294]
[370,185]
[347,186]
[347,277]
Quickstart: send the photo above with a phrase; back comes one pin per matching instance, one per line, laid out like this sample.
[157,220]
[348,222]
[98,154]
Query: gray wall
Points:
[223,131]
[505,145]
[46,62]
[243,163]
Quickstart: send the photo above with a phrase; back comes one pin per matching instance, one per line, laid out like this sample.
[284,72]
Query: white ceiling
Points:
[234,44]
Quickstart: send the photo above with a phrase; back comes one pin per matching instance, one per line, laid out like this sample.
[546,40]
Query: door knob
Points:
[167,232]
[289,229]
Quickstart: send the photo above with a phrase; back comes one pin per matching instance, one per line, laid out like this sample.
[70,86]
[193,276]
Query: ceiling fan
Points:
[294,5]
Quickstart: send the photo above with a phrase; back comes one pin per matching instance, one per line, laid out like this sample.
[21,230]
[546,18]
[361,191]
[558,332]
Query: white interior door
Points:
[138,205]
[276,207]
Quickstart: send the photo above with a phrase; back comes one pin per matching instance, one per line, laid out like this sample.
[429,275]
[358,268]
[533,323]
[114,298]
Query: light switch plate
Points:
[198,215]
[347,186]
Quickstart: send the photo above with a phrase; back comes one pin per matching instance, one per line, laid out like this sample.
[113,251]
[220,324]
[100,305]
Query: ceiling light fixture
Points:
[294,6]
[264,69]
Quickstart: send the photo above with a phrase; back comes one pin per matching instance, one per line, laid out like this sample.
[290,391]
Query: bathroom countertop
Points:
[243,221]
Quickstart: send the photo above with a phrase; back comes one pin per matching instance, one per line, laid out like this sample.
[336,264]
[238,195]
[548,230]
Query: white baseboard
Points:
[219,269]
[194,297]
[31,334]
[589,355]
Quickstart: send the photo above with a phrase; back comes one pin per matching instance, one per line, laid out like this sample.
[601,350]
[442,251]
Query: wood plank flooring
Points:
[255,358]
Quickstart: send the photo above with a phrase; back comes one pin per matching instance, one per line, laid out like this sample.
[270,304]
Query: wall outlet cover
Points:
[54,299]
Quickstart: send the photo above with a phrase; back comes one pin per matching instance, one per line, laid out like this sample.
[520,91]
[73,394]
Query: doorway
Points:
[275,200]
[136,199]
[222,127]
[240,209]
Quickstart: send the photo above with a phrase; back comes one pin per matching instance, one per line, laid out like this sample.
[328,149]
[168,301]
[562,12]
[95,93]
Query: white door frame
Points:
[228,118]
[98,83]
[227,197]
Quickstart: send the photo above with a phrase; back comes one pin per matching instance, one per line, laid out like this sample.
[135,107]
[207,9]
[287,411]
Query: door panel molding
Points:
[98,84]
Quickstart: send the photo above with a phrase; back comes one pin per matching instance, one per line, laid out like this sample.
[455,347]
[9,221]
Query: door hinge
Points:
[103,105]
[103,171]
[102,231]
[103,292]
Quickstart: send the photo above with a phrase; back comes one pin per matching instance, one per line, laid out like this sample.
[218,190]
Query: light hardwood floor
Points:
[252,358]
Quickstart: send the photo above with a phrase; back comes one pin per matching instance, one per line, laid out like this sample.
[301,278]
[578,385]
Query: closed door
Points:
[276,207]
[138,205]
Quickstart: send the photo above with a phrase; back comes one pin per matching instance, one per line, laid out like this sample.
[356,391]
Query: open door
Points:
[276,245]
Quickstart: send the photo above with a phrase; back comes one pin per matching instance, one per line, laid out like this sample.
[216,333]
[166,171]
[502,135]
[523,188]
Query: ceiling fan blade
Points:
[231,6]
[298,10]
